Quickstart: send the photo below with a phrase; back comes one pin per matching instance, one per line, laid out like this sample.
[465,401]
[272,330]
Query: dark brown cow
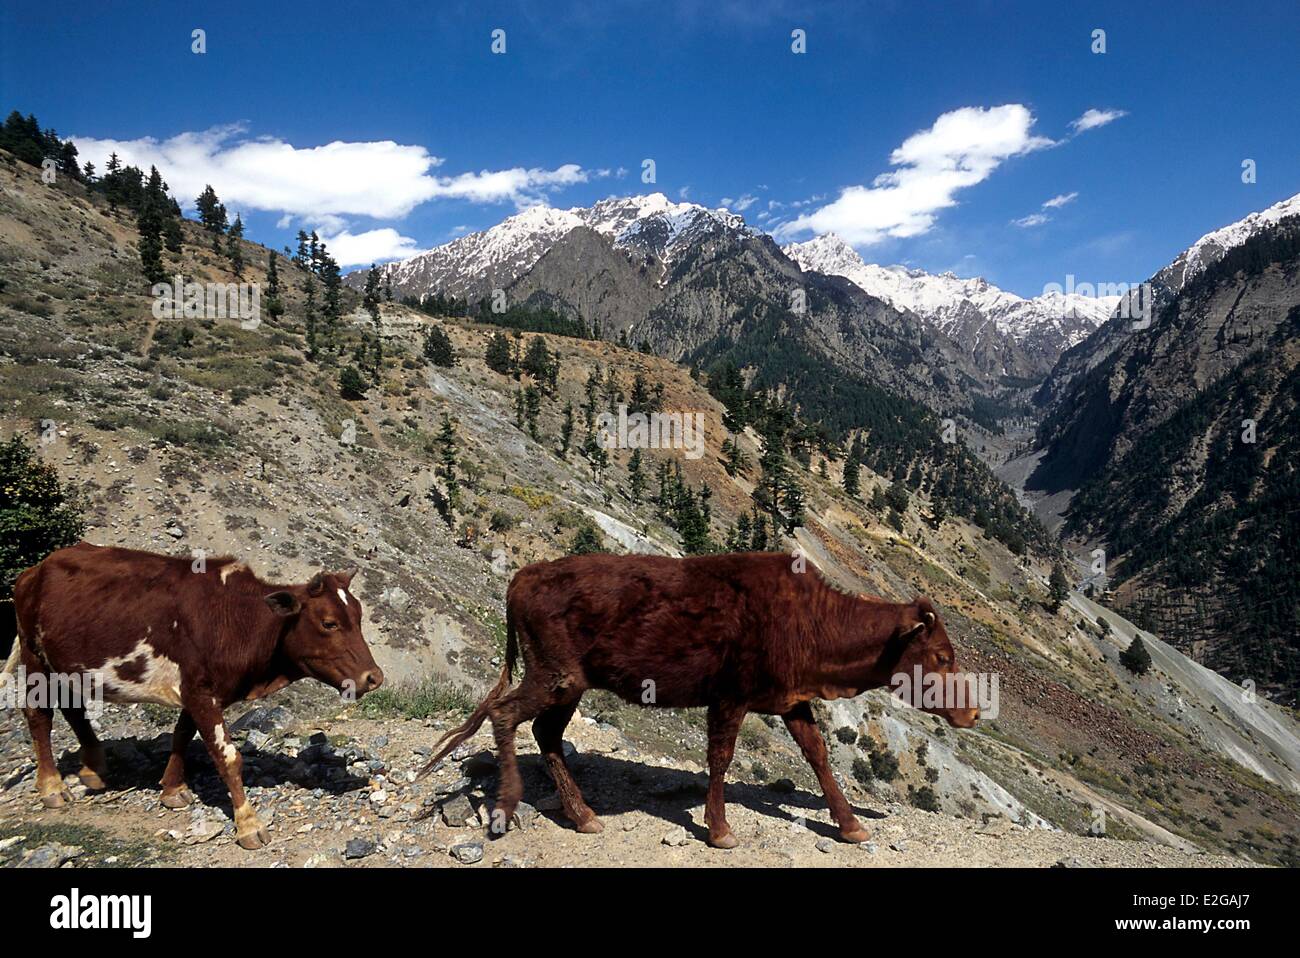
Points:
[158,631]
[735,633]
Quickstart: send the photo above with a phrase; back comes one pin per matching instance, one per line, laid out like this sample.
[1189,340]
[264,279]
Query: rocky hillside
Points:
[1180,441]
[695,284]
[200,434]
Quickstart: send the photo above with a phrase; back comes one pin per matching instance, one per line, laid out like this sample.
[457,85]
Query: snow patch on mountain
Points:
[953,304]
[1209,249]
[651,224]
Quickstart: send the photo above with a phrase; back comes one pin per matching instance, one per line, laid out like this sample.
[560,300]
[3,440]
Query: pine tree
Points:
[149,222]
[274,308]
[1058,588]
[300,257]
[370,300]
[897,498]
[532,407]
[734,459]
[566,430]
[498,356]
[537,360]
[234,246]
[636,477]
[332,282]
[596,454]
[1136,658]
[778,492]
[851,475]
[437,347]
[447,459]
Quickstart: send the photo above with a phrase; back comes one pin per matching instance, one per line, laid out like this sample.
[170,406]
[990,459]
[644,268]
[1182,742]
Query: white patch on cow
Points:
[159,683]
[344,596]
[175,623]
[228,751]
[229,570]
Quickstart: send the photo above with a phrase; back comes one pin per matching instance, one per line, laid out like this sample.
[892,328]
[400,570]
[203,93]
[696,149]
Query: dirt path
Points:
[652,808]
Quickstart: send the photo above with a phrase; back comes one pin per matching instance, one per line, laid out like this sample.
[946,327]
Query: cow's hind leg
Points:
[54,794]
[250,832]
[94,769]
[803,728]
[175,793]
[548,729]
[514,707]
[724,725]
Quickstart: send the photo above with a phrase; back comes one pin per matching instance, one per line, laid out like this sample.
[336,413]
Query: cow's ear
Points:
[317,584]
[283,603]
[347,575]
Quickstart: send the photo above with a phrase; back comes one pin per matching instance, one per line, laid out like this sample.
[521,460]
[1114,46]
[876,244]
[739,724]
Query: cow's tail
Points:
[9,626]
[453,739]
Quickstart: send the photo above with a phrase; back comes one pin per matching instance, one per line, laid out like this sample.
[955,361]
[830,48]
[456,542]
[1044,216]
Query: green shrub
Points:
[923,798]
[351,385]
[884,765]
[862,770]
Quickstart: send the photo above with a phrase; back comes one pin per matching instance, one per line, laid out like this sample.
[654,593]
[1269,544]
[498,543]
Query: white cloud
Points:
[740,203]
[1091,119]
[1061,199]
[961,149]
[372,246]
[380,179]
[1033,219]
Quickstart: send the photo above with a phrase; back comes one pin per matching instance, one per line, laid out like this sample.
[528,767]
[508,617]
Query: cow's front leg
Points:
[724,725]
[206,713]
[49,783]
[175,793]
[803,728]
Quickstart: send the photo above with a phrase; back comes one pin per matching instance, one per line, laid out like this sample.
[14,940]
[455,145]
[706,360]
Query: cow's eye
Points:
[330,624]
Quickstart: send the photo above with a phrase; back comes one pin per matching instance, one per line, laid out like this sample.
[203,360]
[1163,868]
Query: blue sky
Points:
[964,109]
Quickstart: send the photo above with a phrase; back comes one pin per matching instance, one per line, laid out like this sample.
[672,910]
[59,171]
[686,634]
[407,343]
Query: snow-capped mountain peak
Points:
[1210,248]
[950,302]
[473,264]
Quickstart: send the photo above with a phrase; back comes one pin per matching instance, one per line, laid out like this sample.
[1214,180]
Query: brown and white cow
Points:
[736,633]
[156,630]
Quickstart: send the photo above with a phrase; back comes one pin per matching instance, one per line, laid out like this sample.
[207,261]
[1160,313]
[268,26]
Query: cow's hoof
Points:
[180,798]
[90,778]
[253,839]
[57,798]
[725,840]
[592,826]
[856,836]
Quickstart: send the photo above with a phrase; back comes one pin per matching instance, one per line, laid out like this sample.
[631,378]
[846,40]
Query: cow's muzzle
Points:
[370,681]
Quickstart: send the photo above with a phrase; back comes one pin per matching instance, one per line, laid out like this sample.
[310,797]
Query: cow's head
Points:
[324,633]
[927,653]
